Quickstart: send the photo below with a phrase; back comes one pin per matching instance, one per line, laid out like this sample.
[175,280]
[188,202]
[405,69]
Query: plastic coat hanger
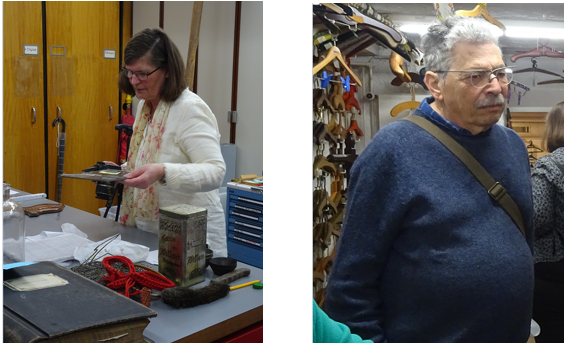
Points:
[355,128]
[350,100]
[537,52]
[408,105]
[333,53]
[480,9]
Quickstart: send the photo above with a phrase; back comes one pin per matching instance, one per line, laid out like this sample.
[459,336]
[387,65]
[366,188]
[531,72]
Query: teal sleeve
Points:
[326,330]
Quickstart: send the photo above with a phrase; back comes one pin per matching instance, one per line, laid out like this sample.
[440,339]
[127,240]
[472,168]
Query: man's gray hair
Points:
[442,36]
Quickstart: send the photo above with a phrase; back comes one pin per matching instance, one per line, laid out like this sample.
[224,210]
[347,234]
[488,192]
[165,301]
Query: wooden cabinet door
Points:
[24,143]
[82,83]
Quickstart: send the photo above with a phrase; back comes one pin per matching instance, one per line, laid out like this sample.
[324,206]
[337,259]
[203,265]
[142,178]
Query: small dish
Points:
[222,265]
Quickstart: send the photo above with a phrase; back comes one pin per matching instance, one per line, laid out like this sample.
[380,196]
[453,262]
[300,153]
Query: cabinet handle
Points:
[34,117]
[110,112]
[59,111]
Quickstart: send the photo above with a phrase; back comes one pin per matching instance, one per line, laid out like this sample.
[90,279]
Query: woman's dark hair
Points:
[553,132]
[157,47]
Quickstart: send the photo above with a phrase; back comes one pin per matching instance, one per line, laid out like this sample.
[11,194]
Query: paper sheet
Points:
[153,257]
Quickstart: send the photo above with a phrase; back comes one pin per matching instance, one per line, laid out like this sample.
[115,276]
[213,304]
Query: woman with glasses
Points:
[174,155]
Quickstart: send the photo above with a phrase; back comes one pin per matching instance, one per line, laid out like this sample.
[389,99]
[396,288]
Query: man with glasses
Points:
[425,254]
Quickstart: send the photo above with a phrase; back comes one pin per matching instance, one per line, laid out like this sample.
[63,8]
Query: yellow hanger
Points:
[396,63]
[480,9]
[408,105]
[333,53]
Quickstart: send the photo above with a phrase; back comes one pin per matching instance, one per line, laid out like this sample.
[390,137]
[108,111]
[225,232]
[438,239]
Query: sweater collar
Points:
[428,112]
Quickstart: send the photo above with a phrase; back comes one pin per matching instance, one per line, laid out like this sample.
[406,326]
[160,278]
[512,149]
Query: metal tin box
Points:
[182,243]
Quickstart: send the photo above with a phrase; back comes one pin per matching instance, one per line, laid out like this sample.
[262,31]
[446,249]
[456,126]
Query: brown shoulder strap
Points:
[495,189]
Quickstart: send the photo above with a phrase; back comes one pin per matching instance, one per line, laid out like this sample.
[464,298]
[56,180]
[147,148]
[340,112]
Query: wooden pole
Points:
[235,56]
[193,42]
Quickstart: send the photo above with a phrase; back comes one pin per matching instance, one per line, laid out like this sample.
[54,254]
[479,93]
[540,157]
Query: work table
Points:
[240,309]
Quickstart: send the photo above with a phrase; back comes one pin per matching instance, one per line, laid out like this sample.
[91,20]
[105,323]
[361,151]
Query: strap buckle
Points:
[497,191]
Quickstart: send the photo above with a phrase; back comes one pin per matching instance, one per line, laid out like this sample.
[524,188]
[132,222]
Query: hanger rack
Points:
[480,9]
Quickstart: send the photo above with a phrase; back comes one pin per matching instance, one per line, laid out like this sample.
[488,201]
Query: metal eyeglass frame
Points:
[488,79]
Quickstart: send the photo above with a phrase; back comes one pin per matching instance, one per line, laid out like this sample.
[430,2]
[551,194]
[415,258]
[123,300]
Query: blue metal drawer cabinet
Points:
[244,223]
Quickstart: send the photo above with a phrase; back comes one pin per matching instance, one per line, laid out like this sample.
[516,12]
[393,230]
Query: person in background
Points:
[326,330]
[426,254]
[547,184]
[174,155]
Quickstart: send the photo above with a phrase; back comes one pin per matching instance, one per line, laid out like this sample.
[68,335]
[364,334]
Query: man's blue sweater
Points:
[425,254]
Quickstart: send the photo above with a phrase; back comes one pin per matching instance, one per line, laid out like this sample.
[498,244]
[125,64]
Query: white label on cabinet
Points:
[110,54]
[30,49]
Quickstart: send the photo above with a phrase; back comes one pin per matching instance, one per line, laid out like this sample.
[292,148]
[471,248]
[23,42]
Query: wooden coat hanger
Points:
[324,101]
[480,9]
[550,82]
[396,66]
[322,163]
[333,53]
[337,97]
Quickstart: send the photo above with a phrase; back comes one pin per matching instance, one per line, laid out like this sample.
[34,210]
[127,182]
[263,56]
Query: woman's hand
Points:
[144,176]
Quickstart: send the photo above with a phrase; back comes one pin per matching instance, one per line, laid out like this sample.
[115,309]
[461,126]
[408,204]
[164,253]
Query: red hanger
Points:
[350,100]
[537,52]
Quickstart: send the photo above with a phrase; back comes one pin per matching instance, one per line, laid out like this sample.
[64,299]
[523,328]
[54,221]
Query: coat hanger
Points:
[337,97]
[480,9]
[533,147]
[333,53]
[343,9]
[336,188]
[393,35]
[323,101]
[350,100]
[396,66]
[355,128]
[408,105]
[542,50]
[537,70]
[550,82]
[415,77]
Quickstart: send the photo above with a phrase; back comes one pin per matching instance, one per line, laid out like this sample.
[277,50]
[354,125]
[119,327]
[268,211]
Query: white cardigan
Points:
[194,166]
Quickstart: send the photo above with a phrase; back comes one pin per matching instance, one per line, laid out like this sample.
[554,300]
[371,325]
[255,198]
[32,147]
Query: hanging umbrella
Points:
[61,154]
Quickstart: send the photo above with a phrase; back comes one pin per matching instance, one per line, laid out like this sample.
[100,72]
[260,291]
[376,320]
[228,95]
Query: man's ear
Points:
[434,84]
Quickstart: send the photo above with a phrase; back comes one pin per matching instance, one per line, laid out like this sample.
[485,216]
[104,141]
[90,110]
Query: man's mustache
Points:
[491,100]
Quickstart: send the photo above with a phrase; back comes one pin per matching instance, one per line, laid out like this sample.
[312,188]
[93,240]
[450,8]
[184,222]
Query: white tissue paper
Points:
[134,252]
[50,245]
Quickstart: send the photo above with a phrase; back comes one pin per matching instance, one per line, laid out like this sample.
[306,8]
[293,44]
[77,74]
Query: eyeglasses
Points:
[139,75]
[482,77]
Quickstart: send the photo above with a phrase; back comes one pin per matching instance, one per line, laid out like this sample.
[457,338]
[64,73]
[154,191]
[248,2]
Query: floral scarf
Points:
[146,203]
